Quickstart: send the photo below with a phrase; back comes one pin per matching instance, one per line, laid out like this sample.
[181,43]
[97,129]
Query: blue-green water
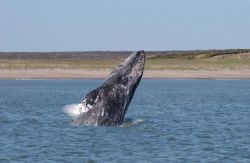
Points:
[183,121]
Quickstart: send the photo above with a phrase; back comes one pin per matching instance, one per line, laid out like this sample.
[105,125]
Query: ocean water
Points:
[172,121]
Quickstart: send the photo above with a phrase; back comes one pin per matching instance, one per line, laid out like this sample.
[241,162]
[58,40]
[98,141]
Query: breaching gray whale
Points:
[107,104]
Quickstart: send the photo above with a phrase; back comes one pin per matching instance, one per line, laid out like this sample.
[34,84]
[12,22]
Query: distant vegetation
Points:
[156,60]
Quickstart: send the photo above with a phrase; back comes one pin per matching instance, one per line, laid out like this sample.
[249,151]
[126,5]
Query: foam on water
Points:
[131,122]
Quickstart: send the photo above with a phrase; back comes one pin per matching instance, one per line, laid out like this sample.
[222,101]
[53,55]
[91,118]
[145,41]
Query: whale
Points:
[107,104]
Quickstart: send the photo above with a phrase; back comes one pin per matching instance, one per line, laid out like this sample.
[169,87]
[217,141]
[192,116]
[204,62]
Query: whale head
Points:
[129,71]
[107,104]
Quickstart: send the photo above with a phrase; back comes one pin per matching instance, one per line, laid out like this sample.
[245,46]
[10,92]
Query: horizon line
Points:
[174,50]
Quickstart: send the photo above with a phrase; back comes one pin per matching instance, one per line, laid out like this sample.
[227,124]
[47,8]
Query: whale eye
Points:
[124,80]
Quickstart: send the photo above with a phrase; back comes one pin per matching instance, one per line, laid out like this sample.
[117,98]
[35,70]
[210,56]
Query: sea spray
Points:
[74,110]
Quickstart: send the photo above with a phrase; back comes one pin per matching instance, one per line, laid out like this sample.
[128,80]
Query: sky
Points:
[96,25]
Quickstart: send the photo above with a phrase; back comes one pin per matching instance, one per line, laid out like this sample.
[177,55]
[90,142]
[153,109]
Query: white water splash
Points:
[74,110]
[131,122]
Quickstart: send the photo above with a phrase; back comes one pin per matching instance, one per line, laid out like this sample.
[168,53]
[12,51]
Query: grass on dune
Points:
[58,63]
[196,64]
[165,62]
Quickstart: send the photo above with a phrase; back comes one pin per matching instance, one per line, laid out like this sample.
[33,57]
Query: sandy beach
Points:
[100,74]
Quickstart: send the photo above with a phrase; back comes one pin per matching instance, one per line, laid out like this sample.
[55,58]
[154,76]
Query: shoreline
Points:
[101,74]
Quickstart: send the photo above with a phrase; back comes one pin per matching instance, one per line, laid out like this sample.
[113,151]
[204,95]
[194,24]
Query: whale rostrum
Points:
[107,104]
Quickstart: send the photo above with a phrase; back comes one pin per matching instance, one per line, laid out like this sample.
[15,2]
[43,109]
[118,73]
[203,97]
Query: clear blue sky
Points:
[80,25]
